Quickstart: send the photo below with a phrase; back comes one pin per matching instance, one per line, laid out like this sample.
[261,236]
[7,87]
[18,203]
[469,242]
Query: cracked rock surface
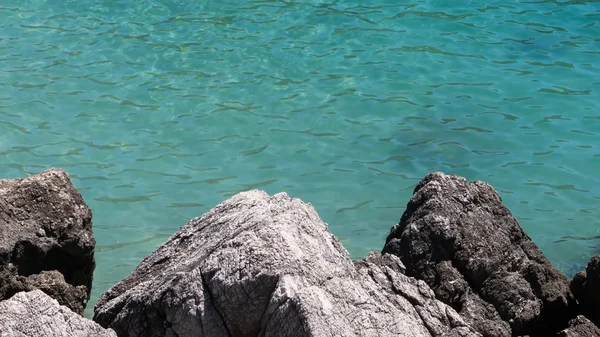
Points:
[465,244]
[36,314]
[260,265]
[45,225]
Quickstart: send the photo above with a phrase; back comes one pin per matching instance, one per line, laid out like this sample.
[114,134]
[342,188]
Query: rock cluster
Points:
[260,265]
[456,265]
[50,282]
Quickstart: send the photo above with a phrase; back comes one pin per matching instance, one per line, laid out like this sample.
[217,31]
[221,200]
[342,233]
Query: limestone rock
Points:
[46,225]
[580,327]
[260,265]
[35,314]
[464,243]
[586,287]
[50,282]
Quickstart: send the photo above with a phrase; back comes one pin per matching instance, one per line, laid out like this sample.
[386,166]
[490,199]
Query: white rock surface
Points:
[260,265]
[35,314]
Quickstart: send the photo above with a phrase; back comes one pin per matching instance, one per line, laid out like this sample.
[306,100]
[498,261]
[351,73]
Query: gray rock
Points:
[46,225]
[391,284]
[464,243]
[580,327]
[35,314]
[586,287]
[260,265]
[50,282]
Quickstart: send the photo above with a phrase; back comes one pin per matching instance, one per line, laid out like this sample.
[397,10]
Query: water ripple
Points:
[159,110]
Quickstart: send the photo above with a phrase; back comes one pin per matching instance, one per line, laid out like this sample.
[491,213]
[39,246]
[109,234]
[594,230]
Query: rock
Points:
[580,327]
[260,265]
[464,243]
[586,287]
[50,282]
[45,225]
[36,314]
[387,273]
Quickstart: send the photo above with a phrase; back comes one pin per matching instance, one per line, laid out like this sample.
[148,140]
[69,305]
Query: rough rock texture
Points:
[586,287]
[34,313]
[50,282]
[45,225]
[260,265]
[463,242]
[580,327]
[387,272]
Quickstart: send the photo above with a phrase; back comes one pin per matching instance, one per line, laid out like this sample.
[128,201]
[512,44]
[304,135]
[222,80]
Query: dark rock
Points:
[50,282]
[580,327]
[586,287]
[260,265]
[29,314]
[45,225]
[463,242]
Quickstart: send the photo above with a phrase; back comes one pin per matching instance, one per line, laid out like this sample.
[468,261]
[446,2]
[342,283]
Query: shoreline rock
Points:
[52,283]
[35,314]
[586,287]
[456,265]
[45,225]
[260,265]
[463,242]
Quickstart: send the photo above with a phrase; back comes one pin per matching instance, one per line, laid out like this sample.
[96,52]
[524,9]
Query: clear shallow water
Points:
[161,109]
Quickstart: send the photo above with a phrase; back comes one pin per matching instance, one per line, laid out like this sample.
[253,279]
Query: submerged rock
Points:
[45,225]
[36,314]
[464,243]
[580,327]
[586,287]
[260,265]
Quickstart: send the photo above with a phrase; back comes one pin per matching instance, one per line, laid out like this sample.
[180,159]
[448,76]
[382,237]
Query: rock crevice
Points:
[46,239]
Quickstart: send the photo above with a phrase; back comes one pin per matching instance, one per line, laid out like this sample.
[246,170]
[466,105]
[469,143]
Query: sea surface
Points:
[161,109]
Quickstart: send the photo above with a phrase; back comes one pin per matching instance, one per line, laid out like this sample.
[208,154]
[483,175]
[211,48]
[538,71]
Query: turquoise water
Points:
[161,109]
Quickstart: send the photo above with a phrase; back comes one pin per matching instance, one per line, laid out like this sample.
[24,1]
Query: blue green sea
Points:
[160,109]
